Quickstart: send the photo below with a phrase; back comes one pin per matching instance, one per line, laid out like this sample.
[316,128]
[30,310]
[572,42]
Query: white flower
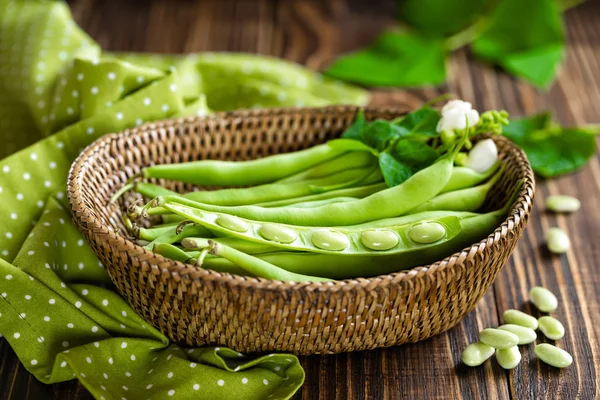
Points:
[455,115]
[482,156]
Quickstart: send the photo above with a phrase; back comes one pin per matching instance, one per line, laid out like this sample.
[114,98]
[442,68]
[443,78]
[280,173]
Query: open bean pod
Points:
[343,241]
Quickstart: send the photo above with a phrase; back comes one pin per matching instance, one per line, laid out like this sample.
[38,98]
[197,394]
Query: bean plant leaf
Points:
[526,38]
[422,121]
[394,172]
[439,18]
[355,130]
[379,133]
[552,150]
[518,129]
[395,59]
[559,151]
[406,157]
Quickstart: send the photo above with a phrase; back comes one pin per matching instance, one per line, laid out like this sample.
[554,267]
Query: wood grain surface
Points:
[313,33]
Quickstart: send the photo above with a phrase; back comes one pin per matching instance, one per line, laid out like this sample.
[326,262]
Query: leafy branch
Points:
[526,38]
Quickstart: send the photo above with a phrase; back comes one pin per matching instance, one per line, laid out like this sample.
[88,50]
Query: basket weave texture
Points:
[197,307]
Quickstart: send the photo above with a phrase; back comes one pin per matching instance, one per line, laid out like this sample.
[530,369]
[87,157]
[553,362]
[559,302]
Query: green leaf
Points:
[559,151]
[422,121]
[355,130]
[525,37]
[394,172]
[404,159]
[552,150]
[379,133]
[518,129]
[537,66]
[439,18]
[395,59]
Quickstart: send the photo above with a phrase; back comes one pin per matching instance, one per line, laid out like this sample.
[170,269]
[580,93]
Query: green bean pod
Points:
[387,203]
[470,199]
[343,267]
[175,253]
[266,192]
[239,173]
[318,203]
[340,240]
[350,160]
[464,177]
[150,234]
[258,267]
[171,236]
[247,247]
[358,192]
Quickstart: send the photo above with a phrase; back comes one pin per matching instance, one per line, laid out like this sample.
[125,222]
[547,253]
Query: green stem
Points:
[466,36]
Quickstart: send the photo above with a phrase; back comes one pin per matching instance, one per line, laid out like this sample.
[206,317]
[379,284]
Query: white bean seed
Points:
[543,299]
[551,328]
[557,241]
[562,203]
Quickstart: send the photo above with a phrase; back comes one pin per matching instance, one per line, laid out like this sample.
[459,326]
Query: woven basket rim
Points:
[179,270]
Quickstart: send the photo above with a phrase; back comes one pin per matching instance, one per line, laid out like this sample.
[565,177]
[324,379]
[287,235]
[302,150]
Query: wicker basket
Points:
[197,307]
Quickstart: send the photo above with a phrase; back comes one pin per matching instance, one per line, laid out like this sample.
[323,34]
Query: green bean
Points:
[318,203]
[498,339]
[476,353]
[390,202]
[516,317]
[342,267]
[266,192]
[353,159]
[551,328]
[247,247]
[169,218]
[471,199]
[172,236]
[258,267]
[368,177]
[525,335]
[192,257]
[150,234]
[174,253]
[337,240]
[508,358]
[357,192]
[463,177]
[238,173]
[552,355]
[543,299]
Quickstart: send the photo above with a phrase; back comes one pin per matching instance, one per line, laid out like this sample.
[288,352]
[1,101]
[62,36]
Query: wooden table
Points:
[312,33]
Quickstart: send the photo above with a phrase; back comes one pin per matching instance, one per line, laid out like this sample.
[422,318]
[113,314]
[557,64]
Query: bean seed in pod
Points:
[508,358]
[551,328]
[498,339]
[562,203]
[233,223]
[278,233]
[557,241]
[476,353]
[552,355]
[427,232]
[380,239]
[543,299]
[525,335]
[517,317]
[328,239]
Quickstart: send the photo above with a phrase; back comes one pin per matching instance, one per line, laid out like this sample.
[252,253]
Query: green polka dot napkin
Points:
[58,308]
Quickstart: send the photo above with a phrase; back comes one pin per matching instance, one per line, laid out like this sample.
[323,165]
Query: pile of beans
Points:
[519,329]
